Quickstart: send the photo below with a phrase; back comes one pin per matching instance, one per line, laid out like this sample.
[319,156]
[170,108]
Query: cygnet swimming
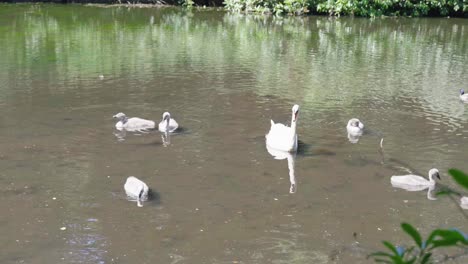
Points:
[136,190]
[133,123]
[168,124]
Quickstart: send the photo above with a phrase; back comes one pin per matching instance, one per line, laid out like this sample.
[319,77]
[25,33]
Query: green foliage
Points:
[423,252]
[367,8]
[186,3]
[460,177]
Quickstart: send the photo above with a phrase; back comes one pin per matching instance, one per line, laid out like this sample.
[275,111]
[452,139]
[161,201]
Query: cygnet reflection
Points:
[431,193]
[353,138]
[166,139]
[280,155]
[120,134]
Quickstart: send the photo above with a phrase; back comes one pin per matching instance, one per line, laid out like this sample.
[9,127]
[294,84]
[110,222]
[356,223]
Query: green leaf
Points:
[426,258]
[444,238]
[391,247]
[445,192]
[460,177]
[410,230]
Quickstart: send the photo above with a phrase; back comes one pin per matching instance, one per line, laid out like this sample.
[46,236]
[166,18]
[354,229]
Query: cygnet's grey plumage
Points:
[136,190]
[133,123]
[355,127]
[167,124]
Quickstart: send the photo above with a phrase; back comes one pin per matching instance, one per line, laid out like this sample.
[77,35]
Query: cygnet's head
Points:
[166,116]
[434,173]
[295,112]
[120,116]
[462,92]
[354,122]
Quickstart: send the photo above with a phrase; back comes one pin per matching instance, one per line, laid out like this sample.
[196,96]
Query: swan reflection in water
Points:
[280,155]
[431,193]
[121,134]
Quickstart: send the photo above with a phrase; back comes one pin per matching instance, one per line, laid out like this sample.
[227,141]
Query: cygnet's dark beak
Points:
[438,176]
[295,115]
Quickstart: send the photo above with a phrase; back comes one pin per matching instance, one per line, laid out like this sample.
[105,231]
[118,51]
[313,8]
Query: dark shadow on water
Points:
[180,131]
[152,143]
[153,198]
[306,150]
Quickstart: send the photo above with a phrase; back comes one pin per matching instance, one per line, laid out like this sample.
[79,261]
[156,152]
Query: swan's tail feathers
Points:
[272,122]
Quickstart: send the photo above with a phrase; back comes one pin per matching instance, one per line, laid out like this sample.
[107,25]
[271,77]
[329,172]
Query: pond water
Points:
[218,195]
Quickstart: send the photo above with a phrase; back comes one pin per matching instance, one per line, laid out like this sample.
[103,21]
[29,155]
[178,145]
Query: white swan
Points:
[132,124]
[280,155]
[355,127]
[136,190]
[353,138]
[463,96]
[464,202]
[281,137]
[168,124]
[415,182]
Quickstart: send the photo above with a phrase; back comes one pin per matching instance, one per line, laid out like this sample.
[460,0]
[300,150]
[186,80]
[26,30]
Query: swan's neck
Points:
[124,119]
[431,179]
[293,124]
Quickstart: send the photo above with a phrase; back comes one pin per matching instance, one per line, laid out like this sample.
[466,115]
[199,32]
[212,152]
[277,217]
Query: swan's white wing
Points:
[135,124]
[281,137]
[173,125]
[133,187]
[279,130]
[277,154]
[410,182]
